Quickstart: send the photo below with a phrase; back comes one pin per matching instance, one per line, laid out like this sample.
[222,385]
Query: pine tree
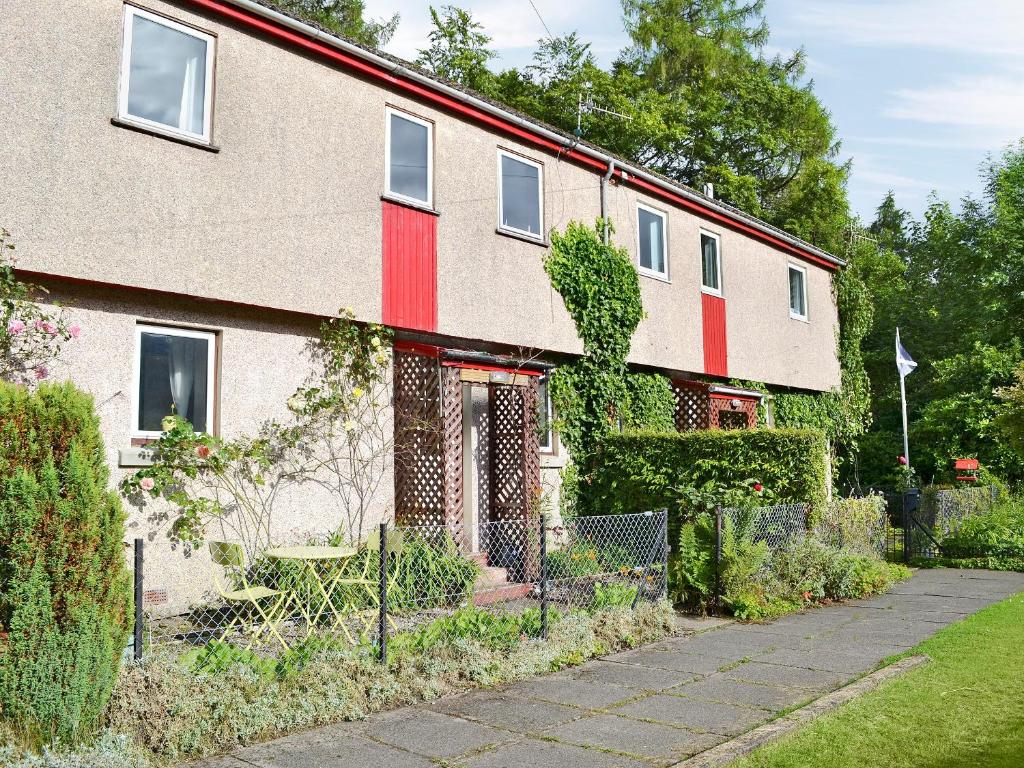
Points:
[64,589]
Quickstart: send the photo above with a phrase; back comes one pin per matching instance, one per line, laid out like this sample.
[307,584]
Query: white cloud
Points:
[987,101]
[989,27]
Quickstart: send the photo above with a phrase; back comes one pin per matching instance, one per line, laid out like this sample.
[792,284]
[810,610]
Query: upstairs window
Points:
[797,292]
[710,263]
[166,75]
[409,158]
[651,230]
[174,376]
[520,196]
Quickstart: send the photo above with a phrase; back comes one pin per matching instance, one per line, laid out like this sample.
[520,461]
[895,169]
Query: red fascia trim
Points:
[744,398]
[453,105]
[415,348]
[721,218]
[485,367]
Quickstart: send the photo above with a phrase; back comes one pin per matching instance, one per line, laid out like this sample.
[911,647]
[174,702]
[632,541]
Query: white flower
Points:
[294,404]
[350,425]
[375,341]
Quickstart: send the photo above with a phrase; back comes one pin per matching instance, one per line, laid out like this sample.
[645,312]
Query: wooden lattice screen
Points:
[451,418]
[697,408]
[693,409]
[419,441]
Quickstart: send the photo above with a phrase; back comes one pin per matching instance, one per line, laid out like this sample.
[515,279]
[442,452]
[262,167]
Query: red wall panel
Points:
[410,268]
[715,351]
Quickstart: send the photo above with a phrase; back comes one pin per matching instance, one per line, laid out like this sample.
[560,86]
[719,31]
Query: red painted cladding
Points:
[410,268]
[715,351]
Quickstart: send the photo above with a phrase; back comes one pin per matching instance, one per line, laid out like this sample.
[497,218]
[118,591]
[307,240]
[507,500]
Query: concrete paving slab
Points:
[629,675]
[514,713]
[534,753]
[672,660]
[790,677]
[344,752]
[574,693]
[824,658]
[723,719]
[433,734]
[725,690]
[634,737]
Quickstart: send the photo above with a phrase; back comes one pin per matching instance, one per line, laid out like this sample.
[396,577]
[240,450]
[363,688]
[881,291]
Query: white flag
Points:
[904,362]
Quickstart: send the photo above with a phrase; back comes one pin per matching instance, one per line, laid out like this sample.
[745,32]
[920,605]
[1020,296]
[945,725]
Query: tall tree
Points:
[345,17]
[458,49]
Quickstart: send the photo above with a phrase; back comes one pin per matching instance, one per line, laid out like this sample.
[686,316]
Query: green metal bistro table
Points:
[313,561]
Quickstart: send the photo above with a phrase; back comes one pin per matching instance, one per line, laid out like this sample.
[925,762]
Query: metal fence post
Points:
[663,535]
[382,618]
[543,577]
[137,576]
[718,558]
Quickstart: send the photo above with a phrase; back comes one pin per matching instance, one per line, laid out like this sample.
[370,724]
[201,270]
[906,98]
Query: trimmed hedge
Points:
[640,470]
[65,594]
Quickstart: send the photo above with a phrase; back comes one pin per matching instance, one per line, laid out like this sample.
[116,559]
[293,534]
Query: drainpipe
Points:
[604,196]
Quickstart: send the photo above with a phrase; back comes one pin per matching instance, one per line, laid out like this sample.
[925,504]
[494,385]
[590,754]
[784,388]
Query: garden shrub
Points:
[65,594]
[759,583]
[174,712]
[638,471]
[992,540]
[857,524]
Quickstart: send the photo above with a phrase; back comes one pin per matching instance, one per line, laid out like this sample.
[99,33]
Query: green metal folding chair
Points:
[230,557]
[395,541]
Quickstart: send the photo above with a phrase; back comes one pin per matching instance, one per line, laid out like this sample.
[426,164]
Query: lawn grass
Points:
[963,708]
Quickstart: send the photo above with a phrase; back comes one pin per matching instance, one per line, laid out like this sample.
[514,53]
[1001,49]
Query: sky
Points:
[921,91]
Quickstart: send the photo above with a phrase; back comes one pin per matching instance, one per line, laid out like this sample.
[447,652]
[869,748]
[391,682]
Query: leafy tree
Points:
[458,49]
[344,17]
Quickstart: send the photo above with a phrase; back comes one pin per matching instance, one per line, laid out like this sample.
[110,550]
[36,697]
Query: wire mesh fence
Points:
[775,525]
[919,521]
[401,588]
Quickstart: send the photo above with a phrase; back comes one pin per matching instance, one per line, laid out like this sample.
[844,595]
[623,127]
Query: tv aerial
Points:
[586,105]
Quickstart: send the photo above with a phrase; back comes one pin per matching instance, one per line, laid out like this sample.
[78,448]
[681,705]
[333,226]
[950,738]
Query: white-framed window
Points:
[797,292]
[545,418]
[174,376]
[166,75]
[409,157]
[520,195]
[710,263]
[651,244]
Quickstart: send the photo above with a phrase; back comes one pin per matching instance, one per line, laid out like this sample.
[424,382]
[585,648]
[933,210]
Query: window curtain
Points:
[186,115]
[181,367]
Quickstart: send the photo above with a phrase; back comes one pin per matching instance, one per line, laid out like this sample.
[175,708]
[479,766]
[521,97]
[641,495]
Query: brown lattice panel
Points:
[725,415]
[419,441]
[693,406]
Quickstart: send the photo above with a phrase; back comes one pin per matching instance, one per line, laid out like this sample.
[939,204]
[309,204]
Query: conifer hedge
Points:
[65,592]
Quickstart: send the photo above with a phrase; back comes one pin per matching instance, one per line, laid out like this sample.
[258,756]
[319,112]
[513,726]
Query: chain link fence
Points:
[776,525]
[403,588]
[920,520]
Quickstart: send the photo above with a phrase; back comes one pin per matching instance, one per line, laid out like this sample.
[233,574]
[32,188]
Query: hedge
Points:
[65,594]
[637,471]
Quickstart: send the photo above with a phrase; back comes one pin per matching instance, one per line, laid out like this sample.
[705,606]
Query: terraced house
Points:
[202,182]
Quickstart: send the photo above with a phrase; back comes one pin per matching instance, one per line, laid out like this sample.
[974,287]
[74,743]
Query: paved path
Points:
[652,706]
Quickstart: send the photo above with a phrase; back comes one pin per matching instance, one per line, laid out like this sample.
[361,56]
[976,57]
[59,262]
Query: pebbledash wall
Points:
[283,225]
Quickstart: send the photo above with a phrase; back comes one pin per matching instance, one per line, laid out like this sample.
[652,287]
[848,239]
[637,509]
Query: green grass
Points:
[963,708]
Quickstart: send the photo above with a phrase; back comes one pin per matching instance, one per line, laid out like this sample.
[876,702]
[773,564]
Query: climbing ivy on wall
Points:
[595,394]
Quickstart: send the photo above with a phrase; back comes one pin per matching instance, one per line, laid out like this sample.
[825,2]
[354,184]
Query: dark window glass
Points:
[709,263]
[409,157]
[173,375]
[520,195]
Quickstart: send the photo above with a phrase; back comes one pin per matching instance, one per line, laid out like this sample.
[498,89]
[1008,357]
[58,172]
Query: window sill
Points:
[135,457]
[802,319]
[517,235]
[406,203]
[551,461]
[177,138]
[661,278]
[709,292]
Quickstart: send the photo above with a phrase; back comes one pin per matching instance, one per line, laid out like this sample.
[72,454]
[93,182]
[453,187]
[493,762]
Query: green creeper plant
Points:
[64,589]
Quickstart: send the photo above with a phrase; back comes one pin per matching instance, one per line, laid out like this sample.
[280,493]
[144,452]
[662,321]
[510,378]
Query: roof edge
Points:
[552,140]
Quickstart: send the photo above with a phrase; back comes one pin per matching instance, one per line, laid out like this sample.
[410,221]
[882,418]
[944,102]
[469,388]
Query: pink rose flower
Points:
[47,326]
[203,452]
[758,487]
[41,372]
[75,331]
[147,483]
[15,327]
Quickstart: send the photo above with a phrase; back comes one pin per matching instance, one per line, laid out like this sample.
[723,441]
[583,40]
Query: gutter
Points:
[593,157]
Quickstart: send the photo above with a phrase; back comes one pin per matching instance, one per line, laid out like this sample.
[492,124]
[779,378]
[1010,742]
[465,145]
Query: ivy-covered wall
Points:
[638,471]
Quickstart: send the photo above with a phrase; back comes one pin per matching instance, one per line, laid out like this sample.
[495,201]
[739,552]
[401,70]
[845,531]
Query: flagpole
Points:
[903,402]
